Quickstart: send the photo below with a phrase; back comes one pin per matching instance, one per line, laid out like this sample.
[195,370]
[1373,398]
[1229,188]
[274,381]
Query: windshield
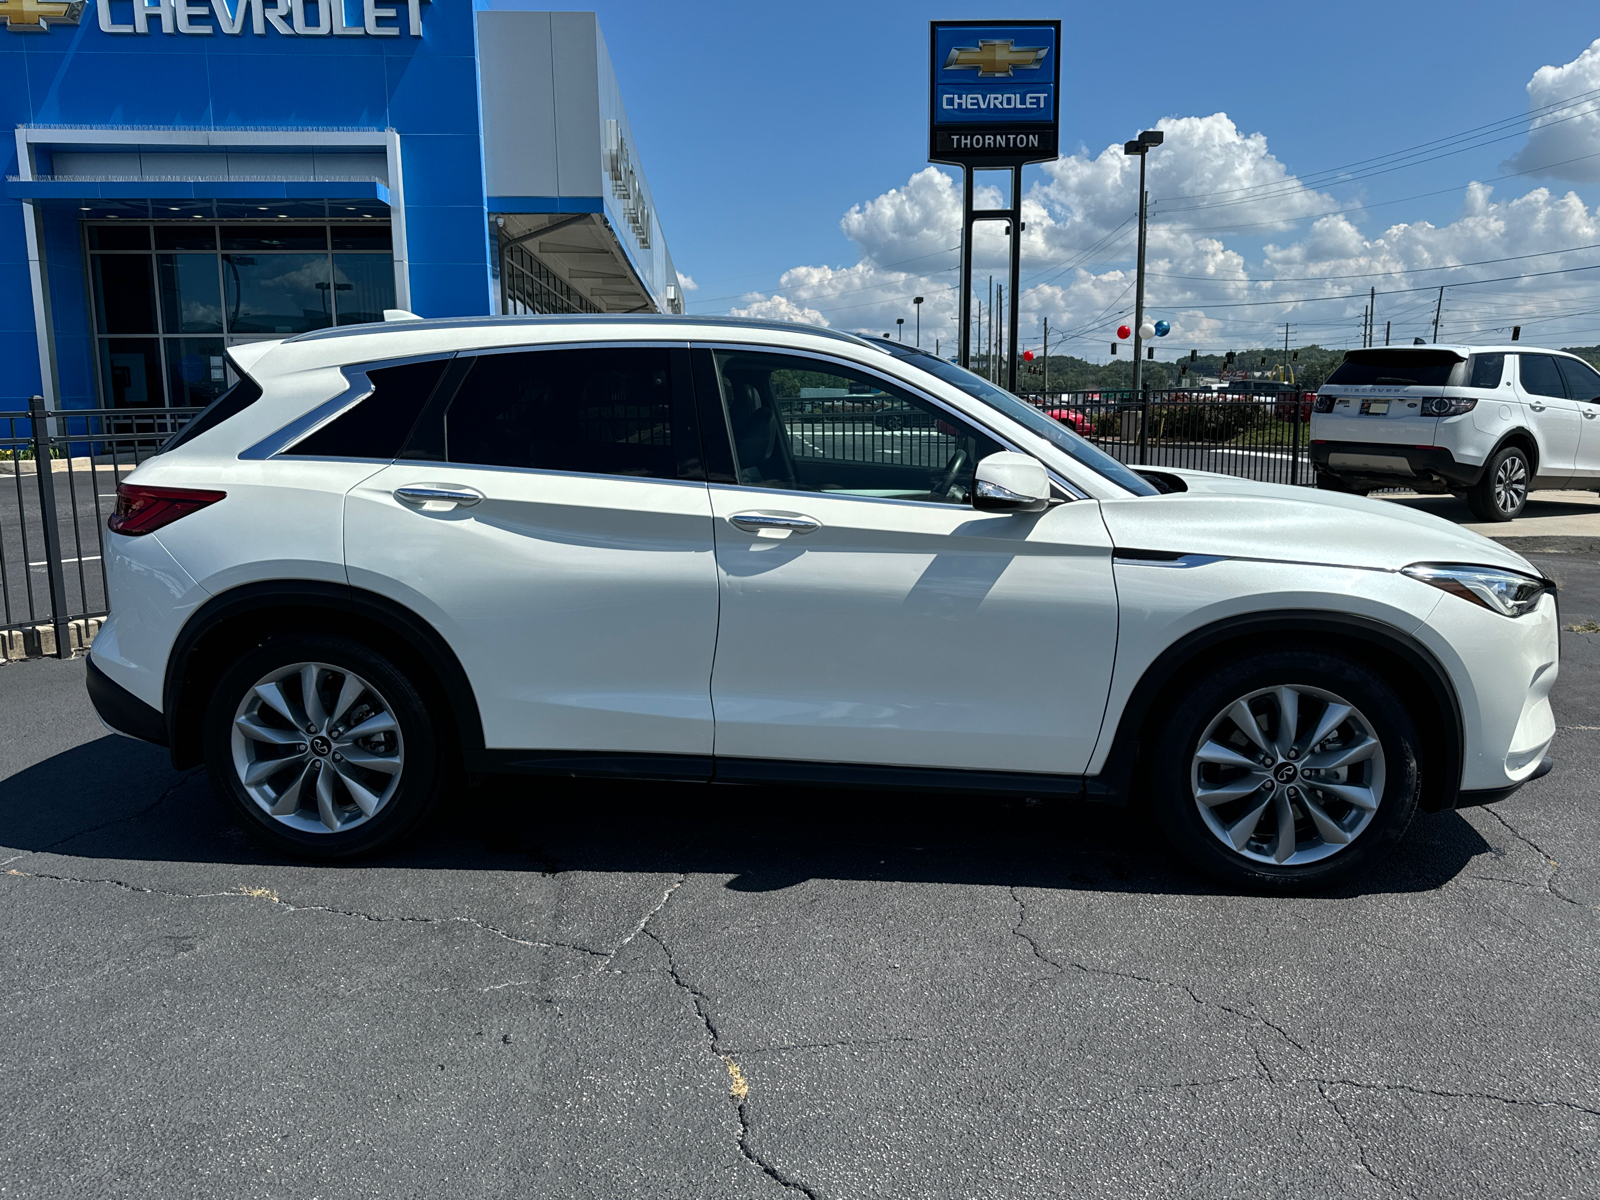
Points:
[1396,368]
[1026,415]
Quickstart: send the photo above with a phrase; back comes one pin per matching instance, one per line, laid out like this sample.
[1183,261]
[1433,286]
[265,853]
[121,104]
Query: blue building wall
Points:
[424,88]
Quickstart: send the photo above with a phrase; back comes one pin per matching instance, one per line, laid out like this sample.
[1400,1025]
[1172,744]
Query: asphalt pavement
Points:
[576,990]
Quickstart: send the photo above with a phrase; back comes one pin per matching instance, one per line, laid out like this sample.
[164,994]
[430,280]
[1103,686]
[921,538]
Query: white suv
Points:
[1484,422]
[750,552]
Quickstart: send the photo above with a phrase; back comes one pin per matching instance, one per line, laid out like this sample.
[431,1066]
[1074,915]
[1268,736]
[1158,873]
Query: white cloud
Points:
[687,283]
[777,308]
[1217,191]
[1558,137]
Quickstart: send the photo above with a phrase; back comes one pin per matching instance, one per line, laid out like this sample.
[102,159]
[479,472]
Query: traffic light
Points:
[1229,360]
[1194,356]
[1113,347]
[1516,333]
[1295,357]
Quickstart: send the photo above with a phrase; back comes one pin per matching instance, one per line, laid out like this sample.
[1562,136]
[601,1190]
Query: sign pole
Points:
[1016,279]
[966,267]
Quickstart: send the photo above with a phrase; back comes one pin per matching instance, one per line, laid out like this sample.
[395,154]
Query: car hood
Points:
[1240,518]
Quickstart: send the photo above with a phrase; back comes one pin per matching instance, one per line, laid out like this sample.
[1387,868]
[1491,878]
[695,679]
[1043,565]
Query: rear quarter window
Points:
[377,426]
[1485,370]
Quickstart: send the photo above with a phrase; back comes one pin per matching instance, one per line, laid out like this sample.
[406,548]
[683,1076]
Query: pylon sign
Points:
[993,92]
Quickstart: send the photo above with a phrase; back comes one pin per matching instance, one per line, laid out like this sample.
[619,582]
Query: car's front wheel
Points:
[1286,771]
[1502,492]
[323,745]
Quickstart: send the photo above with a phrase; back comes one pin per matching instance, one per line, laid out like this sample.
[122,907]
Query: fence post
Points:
[1294,457]
[1144,426]
[39,419]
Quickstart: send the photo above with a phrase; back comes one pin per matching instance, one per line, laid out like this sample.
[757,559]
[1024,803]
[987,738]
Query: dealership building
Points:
[190,174]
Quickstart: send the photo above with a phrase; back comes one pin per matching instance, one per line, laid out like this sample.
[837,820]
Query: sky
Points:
[1312,152]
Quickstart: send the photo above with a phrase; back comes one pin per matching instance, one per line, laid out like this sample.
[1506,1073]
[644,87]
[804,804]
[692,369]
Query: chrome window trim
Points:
[358,388]
[628,344]
[1073,492]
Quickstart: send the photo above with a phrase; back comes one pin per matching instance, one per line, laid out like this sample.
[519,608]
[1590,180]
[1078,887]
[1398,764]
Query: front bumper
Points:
[1383,464]
[1484,796]
[122,711]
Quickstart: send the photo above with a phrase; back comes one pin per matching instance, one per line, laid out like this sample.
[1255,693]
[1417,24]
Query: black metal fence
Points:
[58,483]
[1252,436]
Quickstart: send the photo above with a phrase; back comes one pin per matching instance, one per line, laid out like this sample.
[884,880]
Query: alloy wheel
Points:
[317,748]
[1288,775]
[1510,484]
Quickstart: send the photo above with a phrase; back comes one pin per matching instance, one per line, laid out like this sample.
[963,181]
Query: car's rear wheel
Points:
[323,745]
[1502,492]
[1286,771]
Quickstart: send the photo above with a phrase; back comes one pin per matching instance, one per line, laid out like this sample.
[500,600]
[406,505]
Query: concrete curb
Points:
[39,641]
[1552,544]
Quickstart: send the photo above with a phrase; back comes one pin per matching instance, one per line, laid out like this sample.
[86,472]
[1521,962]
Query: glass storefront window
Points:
[191,293]
[365,287]
[131,369]
[277,293]
[157,285]
[196,371]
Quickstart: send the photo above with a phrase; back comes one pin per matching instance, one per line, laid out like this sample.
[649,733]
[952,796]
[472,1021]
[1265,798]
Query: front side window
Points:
[598,411]
[1583,382]
[1540,377]
[803,424]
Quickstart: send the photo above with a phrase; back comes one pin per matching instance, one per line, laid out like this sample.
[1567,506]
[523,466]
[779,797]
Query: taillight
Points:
[146,509]
[1323,404]
[1440,406]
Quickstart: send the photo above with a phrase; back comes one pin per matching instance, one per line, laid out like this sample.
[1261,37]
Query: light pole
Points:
[1140,146]
[917,302]
[900,323]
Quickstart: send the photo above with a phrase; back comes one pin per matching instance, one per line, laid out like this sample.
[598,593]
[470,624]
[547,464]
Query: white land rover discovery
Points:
[1484,422]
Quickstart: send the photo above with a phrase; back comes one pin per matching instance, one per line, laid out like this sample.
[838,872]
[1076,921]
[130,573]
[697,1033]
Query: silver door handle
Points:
[422,494]
[1538,407]
[755,522]
[1587,415]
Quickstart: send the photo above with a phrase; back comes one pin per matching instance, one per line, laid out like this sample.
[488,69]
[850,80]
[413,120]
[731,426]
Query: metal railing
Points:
[1251,436]
[63,468]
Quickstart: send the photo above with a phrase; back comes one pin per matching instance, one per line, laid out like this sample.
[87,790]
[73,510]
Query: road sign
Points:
[993,92]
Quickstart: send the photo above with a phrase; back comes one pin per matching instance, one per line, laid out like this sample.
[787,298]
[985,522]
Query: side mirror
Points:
[1009,482]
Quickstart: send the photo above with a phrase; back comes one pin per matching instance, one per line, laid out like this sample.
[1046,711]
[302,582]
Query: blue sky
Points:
[760,126]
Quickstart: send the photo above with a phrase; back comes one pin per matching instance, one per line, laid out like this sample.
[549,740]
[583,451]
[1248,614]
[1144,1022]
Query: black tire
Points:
[416,787]
[1501,493]
[1209,695]
[1332,483]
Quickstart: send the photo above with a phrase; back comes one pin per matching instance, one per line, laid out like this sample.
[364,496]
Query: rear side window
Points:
[230,404]
[599,411]
[1583,382]
[1485,370]
[1397,368]
[1540,376]
[377,426]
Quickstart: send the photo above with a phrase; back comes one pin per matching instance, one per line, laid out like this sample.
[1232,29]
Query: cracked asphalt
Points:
[584,990]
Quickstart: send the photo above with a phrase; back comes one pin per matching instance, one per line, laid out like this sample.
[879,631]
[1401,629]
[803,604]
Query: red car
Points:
[1072,419]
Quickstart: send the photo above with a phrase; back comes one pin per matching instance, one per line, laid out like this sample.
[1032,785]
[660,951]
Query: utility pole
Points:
[1437,311]
[1386,325]
[988,337]
[1372,317]
[1046,351]
[999,329]
[1141,146]
[1286,352]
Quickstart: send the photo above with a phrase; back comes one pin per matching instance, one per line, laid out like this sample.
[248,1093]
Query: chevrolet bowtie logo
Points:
[995,58]
[36,16]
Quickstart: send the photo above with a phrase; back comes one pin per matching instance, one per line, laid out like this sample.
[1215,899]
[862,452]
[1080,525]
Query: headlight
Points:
[1509,593]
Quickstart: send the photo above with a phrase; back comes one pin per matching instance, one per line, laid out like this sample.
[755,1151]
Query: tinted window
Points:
[602,412]
[1485,370]
[231,403]
[274,237]
[1396,368]
[1030,418]
[1583,382]
[1540,376]
[377,426]
[808,425]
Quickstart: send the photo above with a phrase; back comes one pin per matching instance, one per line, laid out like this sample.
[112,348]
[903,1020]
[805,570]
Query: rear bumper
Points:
[1383,464]
[122,711]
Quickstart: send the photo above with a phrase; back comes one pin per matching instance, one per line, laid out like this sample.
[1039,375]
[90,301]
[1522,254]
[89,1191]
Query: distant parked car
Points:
[1284,408]
[1490,423]
[1073,419]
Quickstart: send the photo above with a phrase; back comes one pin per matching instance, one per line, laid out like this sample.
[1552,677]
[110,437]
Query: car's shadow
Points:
[118,800]
[1453,508]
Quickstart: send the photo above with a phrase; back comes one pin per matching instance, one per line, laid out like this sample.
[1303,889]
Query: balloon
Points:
[1163,328]
[1123,331]
[1027,356]
[1147,331]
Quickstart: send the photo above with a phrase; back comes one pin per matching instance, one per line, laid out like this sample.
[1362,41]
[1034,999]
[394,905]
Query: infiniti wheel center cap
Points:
[1284,772]
[321,746]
